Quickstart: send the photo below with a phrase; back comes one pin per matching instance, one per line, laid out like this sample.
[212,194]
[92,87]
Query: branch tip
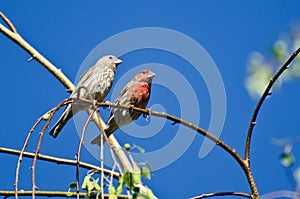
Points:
[30,59]
[8,22]
[262,99]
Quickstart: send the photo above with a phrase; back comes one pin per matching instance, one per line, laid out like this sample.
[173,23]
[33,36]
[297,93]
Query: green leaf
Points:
[258,79]
[132,179]
[144,196]
[127,177]
[72,185]
[287,159]
[111,189]
[141,150]
[280,50]
[112,192]
[145,172]
[96,185]
[120,185]
[150,194]
[148,166]
[136,175]
[86,181]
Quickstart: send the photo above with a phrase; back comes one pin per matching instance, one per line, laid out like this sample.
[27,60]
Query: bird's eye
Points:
[143,72]
[110,57]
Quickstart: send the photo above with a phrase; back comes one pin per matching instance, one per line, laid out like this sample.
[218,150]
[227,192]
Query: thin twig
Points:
[103,134]
[102,163]
[51,194]
[79,152]
[58,161]
[208,195]
[8,22]
[37,56]
[262,99]
[218,142]
[67,83]
[26,143]
[40,142]
[21,156]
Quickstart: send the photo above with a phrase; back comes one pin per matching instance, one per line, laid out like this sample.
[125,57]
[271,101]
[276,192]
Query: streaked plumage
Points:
[98,80]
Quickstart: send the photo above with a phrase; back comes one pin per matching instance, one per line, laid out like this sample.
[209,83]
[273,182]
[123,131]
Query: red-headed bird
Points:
[98,81]
[135,93]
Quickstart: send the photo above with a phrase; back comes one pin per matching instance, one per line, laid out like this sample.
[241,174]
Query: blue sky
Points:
[65,32]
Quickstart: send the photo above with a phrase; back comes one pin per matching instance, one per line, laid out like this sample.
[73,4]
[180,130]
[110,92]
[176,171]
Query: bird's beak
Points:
[118,61]
[152,74]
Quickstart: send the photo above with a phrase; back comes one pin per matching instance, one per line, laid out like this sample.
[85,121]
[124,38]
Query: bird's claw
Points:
[109,104]
[148,115]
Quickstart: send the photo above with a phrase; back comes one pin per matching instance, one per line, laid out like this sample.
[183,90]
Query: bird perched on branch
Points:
[96,81]
[135,93]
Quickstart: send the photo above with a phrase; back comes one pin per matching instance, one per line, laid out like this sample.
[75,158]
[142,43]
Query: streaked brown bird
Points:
[135,93]
[97,80]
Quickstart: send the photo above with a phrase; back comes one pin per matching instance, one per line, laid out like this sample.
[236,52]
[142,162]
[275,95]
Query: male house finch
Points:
[135,93]
[97,80]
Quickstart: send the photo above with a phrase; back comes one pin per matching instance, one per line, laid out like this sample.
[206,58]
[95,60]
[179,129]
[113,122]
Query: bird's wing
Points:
[120,99]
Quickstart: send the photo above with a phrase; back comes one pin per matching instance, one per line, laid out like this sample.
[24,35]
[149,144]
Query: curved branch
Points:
[51,194]
[37,151]
[208,195]
[67,83]
[37,56]
[58,160]
[218,142]
[8,22]
[79,152]
[262,99]
[21,156]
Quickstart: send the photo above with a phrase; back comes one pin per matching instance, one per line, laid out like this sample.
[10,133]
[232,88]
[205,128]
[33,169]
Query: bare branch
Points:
[58,160]
[51,112]
[218,142]
[79,152]
[21,156]
[36,55]
[67,83]
[37,150]
[208,195]
[8,22]
[262,99]
[51,194]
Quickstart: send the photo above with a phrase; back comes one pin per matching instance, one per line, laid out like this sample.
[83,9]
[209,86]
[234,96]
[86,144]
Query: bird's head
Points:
[111,60]
[145,76]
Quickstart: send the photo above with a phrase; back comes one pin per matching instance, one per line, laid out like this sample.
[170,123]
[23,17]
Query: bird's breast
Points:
[141,95]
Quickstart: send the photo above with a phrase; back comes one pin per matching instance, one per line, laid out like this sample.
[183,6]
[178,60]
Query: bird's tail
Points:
[108,131]
[67,114]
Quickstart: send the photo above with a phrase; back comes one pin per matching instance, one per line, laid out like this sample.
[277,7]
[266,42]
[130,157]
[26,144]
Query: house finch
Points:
[98,81]
[135,93]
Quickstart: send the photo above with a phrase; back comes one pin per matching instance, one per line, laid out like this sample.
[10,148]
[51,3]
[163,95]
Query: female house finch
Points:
[135,93]
[97,80]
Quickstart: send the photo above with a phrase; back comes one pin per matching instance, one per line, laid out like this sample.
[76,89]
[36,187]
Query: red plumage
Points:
[135,93]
